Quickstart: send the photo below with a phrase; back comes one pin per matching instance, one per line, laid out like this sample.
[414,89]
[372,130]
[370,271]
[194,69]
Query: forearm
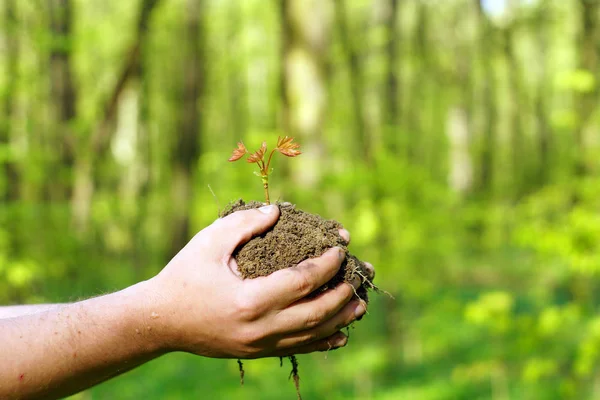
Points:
[68,348]
[20,310]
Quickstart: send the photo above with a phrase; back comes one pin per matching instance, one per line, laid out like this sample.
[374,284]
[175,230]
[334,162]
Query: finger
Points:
[333,342]
[345,235]
[370,270]
[289,285]
[348,314]
[228,233]
[310,313]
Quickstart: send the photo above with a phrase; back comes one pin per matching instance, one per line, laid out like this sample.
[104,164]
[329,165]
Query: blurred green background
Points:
[458,141]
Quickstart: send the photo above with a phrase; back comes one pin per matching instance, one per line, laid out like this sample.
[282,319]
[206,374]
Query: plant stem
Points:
[269,161]
[266,186]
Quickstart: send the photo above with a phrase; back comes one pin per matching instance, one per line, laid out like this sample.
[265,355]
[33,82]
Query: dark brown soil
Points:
[296,236]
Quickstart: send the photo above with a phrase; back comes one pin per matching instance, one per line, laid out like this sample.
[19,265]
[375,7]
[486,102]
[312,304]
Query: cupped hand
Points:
[201,305]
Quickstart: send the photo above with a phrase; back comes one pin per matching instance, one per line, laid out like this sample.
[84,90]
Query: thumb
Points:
[241,226]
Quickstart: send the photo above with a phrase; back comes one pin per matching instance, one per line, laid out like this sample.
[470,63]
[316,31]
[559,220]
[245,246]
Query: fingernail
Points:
[339,341]
[360,310]
[267,209]
[370,270]
[342,253]
[346,236]
[356,282]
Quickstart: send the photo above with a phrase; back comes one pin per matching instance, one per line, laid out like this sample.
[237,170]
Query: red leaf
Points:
[283,141]
[290,152]
[287,148]
[259,154]
[239,152]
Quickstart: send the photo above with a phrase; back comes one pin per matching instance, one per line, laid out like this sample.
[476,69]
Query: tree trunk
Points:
[353,60]
[62,90]
[187,146]
[306,30]
[142,253]
[518,165]
[284,90]
[541,101]
[10,170]
[588,61]
[413,142]
[393,106]
[99,142]
[459,120]
[489,112]
[238,93]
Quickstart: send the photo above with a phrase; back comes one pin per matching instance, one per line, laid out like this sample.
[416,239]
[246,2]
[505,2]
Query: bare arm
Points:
[197,304]
[20,310]
[67,348]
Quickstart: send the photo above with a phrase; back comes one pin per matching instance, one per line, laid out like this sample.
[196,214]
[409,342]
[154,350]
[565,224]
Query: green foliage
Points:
[495,279]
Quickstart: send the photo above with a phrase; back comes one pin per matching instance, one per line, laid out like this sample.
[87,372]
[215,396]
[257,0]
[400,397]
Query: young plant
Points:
[285,146]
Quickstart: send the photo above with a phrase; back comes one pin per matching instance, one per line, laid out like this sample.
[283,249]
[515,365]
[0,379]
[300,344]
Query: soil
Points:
[296,236]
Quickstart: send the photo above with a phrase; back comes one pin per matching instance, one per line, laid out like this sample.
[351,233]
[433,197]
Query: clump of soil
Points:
[296,236]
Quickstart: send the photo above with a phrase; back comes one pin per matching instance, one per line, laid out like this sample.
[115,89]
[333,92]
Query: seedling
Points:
[285,146]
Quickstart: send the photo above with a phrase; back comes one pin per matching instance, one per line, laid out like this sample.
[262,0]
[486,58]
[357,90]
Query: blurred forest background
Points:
[458,141]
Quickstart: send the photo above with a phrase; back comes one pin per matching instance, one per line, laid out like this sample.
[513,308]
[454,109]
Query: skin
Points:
[197,304]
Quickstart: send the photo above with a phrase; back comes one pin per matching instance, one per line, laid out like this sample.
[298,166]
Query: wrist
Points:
[173,314]
[143,318]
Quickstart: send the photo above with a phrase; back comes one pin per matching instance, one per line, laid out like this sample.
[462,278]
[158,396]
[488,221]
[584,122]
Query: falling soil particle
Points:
[296,236]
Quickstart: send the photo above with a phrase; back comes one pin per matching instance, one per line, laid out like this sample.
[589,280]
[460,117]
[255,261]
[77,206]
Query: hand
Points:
[202,306]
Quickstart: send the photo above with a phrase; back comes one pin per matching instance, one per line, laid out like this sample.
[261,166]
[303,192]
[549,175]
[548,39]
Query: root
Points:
[372,285]
[294,374]
[354,290]
[241,371]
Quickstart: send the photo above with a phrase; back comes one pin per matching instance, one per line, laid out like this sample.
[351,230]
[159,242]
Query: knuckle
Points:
[332,260]
[240,218]
[342,324]
[244,222]
[346,320]
[245,307]
[346,291]
[249,338]
[314,319]
[309,337]
[247,216]
[340,295]
[303,283]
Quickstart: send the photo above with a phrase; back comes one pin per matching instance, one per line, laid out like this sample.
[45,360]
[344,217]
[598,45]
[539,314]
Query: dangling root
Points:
[372,286]
[241,372]
[294,374]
